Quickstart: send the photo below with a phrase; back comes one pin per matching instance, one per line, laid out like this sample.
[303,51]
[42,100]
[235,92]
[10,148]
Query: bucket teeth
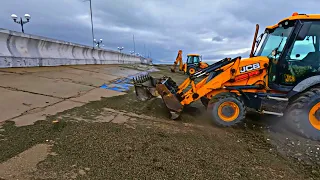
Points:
[142,78]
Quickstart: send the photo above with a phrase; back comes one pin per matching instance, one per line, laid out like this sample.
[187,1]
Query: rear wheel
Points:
[303,114]
[227,109]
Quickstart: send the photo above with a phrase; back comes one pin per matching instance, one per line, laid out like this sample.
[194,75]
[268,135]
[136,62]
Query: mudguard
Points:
[305,84]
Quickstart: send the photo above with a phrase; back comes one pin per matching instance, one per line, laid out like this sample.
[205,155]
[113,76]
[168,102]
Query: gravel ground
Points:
[154,147]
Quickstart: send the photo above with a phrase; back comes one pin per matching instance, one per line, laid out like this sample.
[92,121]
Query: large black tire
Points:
[192,68]
[297,115]
[221,99]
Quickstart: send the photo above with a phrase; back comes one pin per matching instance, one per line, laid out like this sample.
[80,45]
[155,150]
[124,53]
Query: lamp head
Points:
[27,16]
[14,17]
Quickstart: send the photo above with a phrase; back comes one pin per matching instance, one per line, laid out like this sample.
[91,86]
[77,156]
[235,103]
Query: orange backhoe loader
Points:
[193,64]
[281,77]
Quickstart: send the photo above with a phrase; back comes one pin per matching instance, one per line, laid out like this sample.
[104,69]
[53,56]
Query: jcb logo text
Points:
[249,67]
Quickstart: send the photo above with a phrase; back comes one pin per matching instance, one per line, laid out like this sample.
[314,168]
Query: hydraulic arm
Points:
[178,61]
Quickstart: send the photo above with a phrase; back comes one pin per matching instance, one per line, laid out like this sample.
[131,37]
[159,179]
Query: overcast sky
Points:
[213,28]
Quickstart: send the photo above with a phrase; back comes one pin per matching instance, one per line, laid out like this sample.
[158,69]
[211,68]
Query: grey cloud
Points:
[211,28]
[217,38]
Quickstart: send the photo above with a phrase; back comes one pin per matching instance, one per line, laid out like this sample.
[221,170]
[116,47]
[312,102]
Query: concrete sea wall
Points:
[25,50]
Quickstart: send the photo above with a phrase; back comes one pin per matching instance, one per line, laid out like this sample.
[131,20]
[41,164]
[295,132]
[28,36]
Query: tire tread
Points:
[220,97]
[296,108]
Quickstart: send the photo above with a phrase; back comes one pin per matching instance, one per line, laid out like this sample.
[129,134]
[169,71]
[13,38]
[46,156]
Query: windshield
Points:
[274,39]
[193,59]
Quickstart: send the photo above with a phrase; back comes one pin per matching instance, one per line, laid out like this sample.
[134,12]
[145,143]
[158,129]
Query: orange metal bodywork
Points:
[218,83]
[178,61]
[296,16]
[203,65]
[183,66]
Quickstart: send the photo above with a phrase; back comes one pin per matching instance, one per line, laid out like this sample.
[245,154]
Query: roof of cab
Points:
[193,55]
[296,16]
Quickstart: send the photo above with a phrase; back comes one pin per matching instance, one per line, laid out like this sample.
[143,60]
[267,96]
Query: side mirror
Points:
[304,30]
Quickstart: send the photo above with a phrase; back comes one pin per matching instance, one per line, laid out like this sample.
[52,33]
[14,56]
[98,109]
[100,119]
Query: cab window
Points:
[196,59]
[193,60]
[303,58]
[190,60]
[301,48]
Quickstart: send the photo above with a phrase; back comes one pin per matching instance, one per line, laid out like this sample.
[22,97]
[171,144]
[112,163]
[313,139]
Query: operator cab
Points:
[193,59]
[292,47]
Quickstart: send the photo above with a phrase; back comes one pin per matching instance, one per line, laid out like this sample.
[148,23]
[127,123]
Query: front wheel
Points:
[191,71]
[303,115]
[227,109]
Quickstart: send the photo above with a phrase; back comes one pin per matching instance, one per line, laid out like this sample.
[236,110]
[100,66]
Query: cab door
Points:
[303,58]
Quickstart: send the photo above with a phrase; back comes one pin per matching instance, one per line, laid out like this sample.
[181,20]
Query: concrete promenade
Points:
[30,94]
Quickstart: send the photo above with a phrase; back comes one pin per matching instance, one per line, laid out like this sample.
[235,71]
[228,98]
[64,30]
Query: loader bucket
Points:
[170,100]
[145,87]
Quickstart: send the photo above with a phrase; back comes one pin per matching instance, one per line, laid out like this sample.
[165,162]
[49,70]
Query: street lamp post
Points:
[120,49]
[92,33]
[98,43]
[21,22]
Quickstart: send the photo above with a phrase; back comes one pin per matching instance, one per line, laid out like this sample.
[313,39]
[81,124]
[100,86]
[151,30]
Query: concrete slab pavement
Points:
[93,74]
[88,75]
[93,68]
[40,85]
[118,71]
[29,119]
[14,103]
[22,165]
[4,73]
[32,69]
[31,94]
[96,94]
[65,76]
